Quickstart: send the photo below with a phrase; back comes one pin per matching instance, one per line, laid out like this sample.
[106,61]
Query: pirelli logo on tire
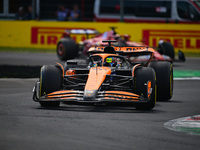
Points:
[186,40]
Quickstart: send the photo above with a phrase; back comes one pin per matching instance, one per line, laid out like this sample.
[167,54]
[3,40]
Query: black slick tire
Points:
[164,77]
[167,48]
[141,77]
[66,49]
[50,81]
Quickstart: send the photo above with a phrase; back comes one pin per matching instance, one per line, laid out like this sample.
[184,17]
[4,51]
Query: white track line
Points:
[188,78]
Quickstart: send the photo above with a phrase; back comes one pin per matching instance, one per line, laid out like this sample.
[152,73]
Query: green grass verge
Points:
[186,73]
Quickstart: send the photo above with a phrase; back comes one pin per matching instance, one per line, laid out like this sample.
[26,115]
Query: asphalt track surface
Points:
[25,125]
[39,59]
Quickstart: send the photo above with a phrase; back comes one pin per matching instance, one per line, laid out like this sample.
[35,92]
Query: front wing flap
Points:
[78,96]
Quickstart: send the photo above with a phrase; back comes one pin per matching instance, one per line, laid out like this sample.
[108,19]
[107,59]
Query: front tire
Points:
[141,77]
[50,81]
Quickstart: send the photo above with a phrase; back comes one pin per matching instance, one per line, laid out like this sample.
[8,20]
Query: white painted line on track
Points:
[188,78]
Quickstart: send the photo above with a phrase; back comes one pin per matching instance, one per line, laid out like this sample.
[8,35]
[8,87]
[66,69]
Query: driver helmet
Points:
[110,61]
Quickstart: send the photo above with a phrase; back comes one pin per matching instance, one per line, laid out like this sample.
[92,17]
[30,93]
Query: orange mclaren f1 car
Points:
[110,77]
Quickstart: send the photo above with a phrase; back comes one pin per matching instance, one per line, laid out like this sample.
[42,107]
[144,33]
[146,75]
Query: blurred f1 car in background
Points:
[67,48]
[108,78]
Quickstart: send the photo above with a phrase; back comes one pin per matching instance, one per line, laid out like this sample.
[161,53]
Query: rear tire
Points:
[50,81]
[142,76]
[167,48]
[67,49]
[164,76]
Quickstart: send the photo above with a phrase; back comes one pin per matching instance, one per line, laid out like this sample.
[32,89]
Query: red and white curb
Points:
[190,125]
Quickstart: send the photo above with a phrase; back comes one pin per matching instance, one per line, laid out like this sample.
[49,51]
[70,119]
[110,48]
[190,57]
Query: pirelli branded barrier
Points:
[42,34]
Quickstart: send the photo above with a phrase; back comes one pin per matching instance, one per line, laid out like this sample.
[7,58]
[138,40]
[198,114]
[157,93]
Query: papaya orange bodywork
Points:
[96,77]
[122,95]
[133,72]
[149,88]
[61,68]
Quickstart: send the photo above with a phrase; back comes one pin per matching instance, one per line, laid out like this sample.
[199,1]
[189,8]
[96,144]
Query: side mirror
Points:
[181,56]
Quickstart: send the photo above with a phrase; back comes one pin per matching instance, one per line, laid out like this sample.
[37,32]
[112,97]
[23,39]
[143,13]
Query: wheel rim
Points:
[60,49]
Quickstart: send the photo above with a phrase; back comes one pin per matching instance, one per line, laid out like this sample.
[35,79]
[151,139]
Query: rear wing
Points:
[124,51]
[130,50]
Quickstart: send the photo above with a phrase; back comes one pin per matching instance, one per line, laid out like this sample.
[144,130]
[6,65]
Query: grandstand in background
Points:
[45,9]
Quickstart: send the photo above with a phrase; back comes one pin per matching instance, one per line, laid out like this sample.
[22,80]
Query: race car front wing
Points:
[78,96]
